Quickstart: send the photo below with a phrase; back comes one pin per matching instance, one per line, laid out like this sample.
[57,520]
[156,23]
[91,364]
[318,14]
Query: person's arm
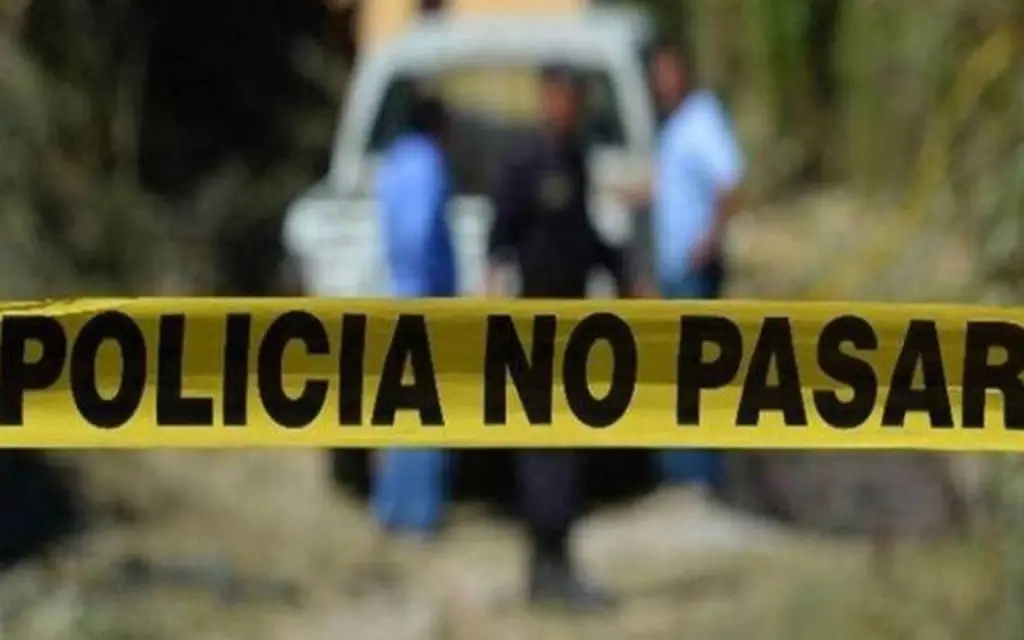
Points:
[614,261]
[504,235]
[723,162]
[727,204]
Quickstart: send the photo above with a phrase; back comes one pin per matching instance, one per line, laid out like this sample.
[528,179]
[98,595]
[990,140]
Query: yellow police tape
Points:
[468,373]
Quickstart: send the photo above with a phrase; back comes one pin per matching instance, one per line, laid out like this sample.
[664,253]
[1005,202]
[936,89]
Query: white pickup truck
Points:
[483,67]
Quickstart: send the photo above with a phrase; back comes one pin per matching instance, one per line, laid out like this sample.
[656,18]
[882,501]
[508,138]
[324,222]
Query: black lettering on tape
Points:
[172,407]
[920,347]
[981,375]
[606,411]
[693,373]
[235,386]
[113,412]
[848,369]
[533,377]
[411,344]
[303,409]
[774,344]
[18,375]
[351,360]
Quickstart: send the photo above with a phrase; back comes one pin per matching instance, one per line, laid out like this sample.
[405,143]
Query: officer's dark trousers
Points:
[549,481]
[549,485]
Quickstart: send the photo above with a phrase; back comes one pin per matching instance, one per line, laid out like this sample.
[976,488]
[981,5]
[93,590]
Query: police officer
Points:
[542,229]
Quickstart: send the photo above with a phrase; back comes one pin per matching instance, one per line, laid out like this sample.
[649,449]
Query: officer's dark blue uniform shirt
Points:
[542,224]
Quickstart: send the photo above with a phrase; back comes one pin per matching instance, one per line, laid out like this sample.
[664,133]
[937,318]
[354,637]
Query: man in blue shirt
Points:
[413,190]
[699,170]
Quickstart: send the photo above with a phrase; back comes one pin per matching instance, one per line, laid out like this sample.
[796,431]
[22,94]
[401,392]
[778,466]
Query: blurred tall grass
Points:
[844,92]
[74,218]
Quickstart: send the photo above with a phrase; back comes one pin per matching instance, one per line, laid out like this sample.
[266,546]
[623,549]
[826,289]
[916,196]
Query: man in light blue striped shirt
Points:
[413,191]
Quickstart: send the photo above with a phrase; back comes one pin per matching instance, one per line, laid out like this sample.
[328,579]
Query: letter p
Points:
[18,375]
[695,374]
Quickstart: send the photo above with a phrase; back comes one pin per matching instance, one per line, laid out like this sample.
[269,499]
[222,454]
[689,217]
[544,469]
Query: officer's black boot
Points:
[553,580]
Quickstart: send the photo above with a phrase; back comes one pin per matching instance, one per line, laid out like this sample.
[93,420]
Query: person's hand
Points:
[493,283]
[634,195]
[643,288]
[705,251]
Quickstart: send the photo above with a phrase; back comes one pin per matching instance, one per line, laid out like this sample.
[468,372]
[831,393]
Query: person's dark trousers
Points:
[714,275]
[550,491]
[549,481]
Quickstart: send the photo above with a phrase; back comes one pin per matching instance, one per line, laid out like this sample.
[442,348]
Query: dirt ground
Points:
[256,545]
[309,566]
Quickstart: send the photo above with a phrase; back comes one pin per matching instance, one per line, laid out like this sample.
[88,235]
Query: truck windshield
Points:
[490,108]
